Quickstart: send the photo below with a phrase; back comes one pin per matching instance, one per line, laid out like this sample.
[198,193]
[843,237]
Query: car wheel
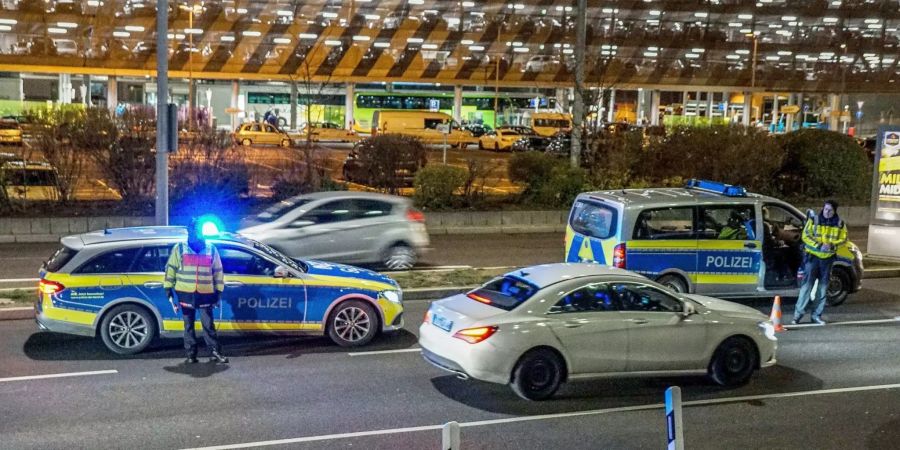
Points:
[127,329]
[538,375]
[286,143]
[838,287]
[352,324]
[733,362]
[674,283]
[246,142]
[400,257]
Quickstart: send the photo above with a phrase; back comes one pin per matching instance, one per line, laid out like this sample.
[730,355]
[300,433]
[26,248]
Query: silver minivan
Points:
[345,227]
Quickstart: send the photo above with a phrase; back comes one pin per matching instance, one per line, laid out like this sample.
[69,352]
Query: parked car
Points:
[503,138]
[477,129]
[261,133]
[65,47]
[10,131]
[28,180]
[346,227]
[326,131]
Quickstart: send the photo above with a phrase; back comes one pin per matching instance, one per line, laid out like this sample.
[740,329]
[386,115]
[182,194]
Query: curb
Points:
[17,313]
[890,272]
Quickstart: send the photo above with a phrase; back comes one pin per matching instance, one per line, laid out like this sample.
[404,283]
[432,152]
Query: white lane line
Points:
[593,412]
[19,280]
[385,352]
[60,375]
[849,322]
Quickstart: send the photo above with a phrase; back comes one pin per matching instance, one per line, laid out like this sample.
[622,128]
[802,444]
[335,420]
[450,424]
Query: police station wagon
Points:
[110,283]
[707,238]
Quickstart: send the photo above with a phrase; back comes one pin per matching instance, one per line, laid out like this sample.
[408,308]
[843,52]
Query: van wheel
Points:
[246,142]
[733,362]
[286,143]
[352,324]
[538,375]
[838,287]
[127,329]
[674,283]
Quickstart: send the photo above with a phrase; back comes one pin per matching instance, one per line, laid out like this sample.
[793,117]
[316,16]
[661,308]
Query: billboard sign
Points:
[884,229]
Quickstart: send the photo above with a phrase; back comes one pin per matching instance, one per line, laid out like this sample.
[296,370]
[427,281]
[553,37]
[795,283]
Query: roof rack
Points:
[716,188]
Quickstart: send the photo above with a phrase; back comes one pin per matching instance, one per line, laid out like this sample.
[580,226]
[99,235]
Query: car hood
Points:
[726,308]
[330,269]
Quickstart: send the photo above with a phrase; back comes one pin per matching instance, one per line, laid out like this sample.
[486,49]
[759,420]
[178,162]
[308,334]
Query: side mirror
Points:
[688,309]
[301,223]
[282,272]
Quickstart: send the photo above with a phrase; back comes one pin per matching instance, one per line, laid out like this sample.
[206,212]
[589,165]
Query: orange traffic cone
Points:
[776,314]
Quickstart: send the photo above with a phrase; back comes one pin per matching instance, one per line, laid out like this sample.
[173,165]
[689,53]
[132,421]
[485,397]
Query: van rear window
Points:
[59,259]
[593,219]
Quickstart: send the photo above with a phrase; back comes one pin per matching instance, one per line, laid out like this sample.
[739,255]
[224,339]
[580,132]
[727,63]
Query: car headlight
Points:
[768,329]
[393,296]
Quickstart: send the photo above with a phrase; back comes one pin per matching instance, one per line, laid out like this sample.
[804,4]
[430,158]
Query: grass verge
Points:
[17,298]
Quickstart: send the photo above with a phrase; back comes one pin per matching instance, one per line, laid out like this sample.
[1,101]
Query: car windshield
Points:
[284,260]
[510,132]
[505,292]
[277,210]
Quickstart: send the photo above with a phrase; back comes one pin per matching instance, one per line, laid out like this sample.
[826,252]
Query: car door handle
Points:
[153,285]
[639,321]
[750,244]
[573,323]
[233,284]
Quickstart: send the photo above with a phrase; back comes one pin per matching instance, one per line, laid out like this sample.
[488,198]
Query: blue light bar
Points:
[717,188]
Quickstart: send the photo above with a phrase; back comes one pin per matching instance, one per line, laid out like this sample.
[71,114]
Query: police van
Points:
[109,283]
[707,238]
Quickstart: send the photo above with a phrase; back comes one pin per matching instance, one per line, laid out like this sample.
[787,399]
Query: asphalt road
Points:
[836,386]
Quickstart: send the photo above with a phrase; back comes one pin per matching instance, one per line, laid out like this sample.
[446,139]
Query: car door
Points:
[271,135]
[100,280]
[660,337]
[255,299]
[363,236]
[592,332]
[729,251]
[317,233]
[147,275]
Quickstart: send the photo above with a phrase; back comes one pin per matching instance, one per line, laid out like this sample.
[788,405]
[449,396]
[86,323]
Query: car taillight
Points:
[49,287]
[475,335]
[414,215]
[619,256]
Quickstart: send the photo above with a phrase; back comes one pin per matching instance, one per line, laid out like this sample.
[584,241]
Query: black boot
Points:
[191,359]
[217,356]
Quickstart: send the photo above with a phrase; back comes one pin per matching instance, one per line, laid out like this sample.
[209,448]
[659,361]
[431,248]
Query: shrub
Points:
[824,164]
[61,134]
[561,188]
[435,185]
[531,169]
[549,181]
[387,158]
[209,174]
[128,160]
[614,160]
[728,153]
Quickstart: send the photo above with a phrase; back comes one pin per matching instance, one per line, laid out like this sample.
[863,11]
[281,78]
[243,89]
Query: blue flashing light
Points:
[717,188]
[210,225]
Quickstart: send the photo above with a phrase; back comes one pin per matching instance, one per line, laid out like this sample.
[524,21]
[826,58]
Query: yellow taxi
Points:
[261,133]
[10,132]
[503,138]
[326,131]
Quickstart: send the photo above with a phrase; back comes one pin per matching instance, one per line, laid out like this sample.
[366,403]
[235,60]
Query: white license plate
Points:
[442,323]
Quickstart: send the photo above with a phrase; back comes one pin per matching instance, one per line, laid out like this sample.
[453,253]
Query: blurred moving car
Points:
[261,133]
[537,327]
[10,132]
[347,227]
[326,131]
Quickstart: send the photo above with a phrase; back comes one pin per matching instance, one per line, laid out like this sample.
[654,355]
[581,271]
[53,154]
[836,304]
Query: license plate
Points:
[442,323]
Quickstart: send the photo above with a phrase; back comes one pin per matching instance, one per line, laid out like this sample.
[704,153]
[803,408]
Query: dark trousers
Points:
[209,329]
[817,269]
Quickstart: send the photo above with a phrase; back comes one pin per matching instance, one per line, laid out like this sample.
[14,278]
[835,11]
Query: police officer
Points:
[822,235]
[194,280]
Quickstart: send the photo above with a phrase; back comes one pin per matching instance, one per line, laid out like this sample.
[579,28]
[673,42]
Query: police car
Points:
[709,238]
[110,283]
[537,327]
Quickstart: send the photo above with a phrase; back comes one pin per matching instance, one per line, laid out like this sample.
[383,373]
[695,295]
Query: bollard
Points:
[450,436]
[674,431]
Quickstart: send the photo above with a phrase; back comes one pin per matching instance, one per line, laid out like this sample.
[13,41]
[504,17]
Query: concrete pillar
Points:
[726,101]
[611,113]
[293,105]
[457,103]
[562,99]
[112,92]
[685,98]
[710,103]
[235,95]
[86,82]
[748,109]
[65,88]
[654,107]
[789,119]
[348,106]
[834,103]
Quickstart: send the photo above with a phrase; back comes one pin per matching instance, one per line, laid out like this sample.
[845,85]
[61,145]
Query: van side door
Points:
[729,250]
[663,242]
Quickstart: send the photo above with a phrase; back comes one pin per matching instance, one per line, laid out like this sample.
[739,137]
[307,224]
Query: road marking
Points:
[849,322]
[385,352]
[60,375]
[19,280]
[593,412]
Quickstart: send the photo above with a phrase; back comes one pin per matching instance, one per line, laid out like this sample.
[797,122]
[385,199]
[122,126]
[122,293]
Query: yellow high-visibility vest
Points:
[192,272]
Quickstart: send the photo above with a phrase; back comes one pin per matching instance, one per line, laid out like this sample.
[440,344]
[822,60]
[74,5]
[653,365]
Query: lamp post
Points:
[162,90]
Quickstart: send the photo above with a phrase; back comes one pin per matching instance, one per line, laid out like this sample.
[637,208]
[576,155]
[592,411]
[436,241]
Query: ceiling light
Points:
[415,40]
[691,55]
[121,34]
[788,18]
[742,52]
[430,46]
[56,30]
[655,13]
[135,28]
[67,25]
[472,4]
[227,38]
[830,20]
[466,42]
[284,13]
[372,17]
[193,31]
[476,48]
[332,42]
[308,36]
[382,44]
[281,40]
[701,14]
[329,15]
[785,53]
[650,54]
[251,33]
[521,49]
[361,38]
[745,16]
[735,24]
